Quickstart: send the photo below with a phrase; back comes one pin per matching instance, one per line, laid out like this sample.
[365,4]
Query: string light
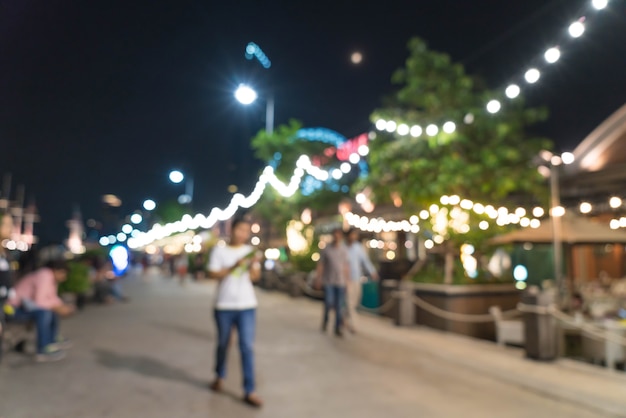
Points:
[444,219]
[403,129]
[585,207]
[268,177]
[615,202]
[432,130]
[576,29]
[532,75]
[599,4]
[304,165]
[493,106]
[552,55]
[512,91]
[449,127]
[416,131]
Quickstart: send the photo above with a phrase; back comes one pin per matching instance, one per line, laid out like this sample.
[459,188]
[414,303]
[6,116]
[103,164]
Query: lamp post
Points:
[246,95]
[556,213]
[178,177]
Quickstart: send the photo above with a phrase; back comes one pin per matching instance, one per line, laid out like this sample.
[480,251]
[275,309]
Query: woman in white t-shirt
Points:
[236,266]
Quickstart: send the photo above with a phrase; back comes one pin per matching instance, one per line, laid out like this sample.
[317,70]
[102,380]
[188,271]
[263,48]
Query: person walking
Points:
[333,271]
[182,268]
[236,266]
[360,264]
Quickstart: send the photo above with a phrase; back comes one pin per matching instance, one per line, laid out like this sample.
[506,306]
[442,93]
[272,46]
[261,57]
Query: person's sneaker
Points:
[338,333]
[62,343]
[253,399]
[217,385]
[49,355]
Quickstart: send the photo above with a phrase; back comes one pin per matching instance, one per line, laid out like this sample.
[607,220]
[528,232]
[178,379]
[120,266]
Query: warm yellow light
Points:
[585,207]
[615,202]
[557,211]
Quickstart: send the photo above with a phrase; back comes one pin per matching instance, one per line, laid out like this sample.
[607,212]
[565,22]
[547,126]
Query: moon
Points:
[356,57]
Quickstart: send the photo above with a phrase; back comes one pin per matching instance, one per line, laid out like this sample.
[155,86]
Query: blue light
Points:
[309,184]
[120,259]
[520,273]
[253,50]
[324,135]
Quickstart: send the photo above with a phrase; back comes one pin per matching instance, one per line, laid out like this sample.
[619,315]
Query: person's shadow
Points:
[153,368]
[200,334]
[146,366]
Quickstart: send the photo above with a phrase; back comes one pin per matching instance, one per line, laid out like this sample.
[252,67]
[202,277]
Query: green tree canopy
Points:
[284,143]
[487,159]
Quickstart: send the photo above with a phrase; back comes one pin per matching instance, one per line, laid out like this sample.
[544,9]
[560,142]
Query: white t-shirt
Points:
[235,291]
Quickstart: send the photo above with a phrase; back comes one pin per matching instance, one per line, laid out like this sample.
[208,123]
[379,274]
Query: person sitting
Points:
[35,298]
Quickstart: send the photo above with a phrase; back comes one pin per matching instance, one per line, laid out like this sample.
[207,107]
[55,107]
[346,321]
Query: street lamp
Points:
[177,177]
[556,211]
[246,95]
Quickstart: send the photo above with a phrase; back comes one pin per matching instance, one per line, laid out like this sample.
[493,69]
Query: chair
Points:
[507,330]
[609,351]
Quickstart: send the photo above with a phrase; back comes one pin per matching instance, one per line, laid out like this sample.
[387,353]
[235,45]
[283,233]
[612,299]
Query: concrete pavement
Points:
[153,357]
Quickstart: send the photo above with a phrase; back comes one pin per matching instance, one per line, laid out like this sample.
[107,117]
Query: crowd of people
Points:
[343,264]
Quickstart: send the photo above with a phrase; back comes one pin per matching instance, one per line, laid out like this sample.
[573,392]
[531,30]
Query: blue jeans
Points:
[245,322]
[116,290]
[334,299]
[46,321]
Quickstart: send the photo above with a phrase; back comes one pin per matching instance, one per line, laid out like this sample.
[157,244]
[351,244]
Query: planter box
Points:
[465,299]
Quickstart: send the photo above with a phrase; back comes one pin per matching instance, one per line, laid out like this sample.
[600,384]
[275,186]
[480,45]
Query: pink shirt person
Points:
[39,288]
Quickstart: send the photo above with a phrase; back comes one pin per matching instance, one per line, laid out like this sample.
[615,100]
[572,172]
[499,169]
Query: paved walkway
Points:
[153,358]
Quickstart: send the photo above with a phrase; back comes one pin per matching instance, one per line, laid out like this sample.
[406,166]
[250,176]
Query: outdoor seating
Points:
[606,351]
[15,333]
[508,331]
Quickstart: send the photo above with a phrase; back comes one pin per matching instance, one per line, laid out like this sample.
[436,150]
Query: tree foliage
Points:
[170,211]
[489,159]
[283,147]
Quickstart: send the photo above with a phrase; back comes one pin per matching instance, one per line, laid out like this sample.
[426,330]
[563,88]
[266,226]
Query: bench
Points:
[13,333]
[509,331]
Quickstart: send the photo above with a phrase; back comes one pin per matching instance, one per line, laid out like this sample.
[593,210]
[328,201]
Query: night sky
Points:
[107,96]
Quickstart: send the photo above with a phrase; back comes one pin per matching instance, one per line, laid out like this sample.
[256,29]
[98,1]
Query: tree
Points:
[488,158]
[170,211]
[281,150]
